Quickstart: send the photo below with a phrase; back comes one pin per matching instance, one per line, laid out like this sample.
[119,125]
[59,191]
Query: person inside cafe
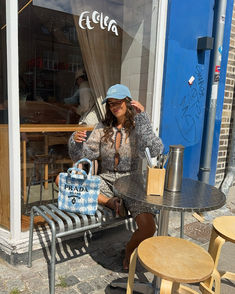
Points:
[83,100]
[119,142]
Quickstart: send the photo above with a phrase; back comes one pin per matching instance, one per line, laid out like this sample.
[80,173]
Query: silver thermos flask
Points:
[174,169]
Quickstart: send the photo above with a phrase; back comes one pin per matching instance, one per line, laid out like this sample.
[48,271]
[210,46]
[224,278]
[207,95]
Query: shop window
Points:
[109,41]
[71,47]
[3,67]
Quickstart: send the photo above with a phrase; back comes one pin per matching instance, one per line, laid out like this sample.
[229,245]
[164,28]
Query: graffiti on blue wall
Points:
[191,108]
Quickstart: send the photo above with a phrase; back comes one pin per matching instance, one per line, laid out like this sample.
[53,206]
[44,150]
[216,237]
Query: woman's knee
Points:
[146,224]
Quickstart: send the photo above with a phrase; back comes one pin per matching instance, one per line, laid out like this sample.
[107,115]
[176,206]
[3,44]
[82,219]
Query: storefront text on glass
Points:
[96,17]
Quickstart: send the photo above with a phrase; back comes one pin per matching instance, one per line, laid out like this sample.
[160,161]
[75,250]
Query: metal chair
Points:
[38,177]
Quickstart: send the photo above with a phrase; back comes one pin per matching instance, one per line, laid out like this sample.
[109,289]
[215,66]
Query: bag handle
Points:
[84,160]
[73,170]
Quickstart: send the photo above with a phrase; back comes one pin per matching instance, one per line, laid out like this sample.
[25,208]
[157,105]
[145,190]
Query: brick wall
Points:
[228,110]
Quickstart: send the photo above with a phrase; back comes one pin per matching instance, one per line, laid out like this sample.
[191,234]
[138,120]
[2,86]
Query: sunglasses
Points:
[119,102]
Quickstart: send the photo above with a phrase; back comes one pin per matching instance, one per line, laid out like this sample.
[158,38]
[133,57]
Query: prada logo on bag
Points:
[75,189]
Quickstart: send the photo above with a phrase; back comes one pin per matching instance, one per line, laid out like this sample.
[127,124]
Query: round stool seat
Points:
[223,230]
[175,259]
[225,227]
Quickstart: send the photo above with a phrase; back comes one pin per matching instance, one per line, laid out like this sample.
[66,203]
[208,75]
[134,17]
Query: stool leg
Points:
[186,290]
[131,274]
[166,287]
[216,243]
[216,277]
[227,275]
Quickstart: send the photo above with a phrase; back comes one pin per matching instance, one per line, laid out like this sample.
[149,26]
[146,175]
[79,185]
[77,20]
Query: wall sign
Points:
[217,68]
[85,21]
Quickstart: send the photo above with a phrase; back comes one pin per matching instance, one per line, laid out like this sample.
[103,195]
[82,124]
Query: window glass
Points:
[4,154]
[3,60]
[70,53]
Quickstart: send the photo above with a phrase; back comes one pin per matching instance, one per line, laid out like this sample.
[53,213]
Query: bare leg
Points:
[146,229]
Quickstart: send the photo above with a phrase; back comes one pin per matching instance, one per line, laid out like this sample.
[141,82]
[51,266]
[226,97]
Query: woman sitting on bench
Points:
[119,143]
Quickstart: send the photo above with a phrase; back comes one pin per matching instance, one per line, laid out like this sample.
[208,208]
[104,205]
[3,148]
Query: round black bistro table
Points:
[194,196]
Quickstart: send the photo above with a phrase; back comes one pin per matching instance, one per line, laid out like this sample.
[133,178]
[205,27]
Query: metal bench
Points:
[64,224]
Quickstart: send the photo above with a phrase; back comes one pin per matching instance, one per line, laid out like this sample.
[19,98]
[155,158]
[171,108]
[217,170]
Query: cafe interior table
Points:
[45,129]
[194,196]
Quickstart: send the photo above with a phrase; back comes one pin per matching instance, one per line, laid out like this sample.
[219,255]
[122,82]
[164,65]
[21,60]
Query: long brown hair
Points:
[110,121]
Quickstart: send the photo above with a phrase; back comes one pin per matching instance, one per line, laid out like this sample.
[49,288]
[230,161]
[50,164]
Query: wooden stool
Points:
[223,230]
[175,261]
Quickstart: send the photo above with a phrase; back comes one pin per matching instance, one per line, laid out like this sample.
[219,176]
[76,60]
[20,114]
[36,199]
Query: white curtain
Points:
[101,53]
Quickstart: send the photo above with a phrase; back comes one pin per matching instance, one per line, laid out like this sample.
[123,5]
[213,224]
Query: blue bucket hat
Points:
[117,91]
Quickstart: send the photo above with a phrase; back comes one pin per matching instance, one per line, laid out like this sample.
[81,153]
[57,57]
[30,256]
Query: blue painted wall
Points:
[183,106]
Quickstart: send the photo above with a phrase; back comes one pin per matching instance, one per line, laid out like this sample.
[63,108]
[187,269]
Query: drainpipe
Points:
[205,163]
[228,181]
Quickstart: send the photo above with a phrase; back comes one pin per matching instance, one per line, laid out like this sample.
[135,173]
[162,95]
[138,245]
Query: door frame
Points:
[13,118]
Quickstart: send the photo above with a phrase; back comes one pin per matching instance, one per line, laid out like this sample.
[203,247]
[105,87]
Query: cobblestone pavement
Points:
[92,267]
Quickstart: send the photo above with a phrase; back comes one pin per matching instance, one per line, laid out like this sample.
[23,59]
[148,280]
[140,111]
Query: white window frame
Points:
[13,117]
[159,64]
[13,102]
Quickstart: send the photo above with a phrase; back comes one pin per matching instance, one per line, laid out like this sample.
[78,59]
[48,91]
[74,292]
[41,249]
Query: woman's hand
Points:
[80,136]
[137,106]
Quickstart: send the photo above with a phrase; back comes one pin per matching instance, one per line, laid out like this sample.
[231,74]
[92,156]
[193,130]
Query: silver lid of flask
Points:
[176,147]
